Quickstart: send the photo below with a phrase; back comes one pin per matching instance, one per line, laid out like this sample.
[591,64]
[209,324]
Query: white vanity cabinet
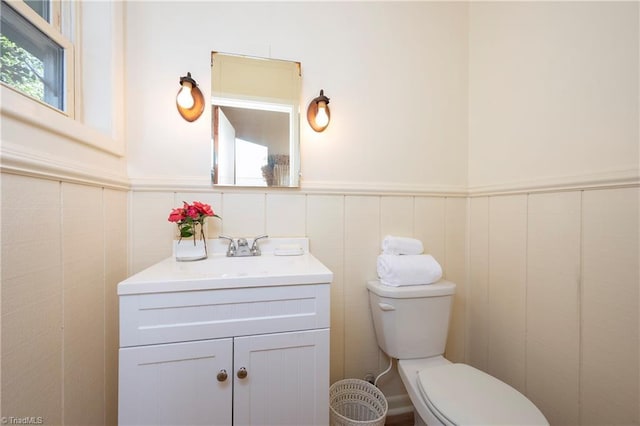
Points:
[176,384]
[210,349]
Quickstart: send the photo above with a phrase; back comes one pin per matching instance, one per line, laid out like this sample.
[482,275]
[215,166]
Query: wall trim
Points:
[36,166]
[162,184]
[384,188]
[33,165]
[606,180]
[621,178]
[198,184]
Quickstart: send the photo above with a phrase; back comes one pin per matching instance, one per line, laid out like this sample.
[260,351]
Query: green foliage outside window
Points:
[20,69]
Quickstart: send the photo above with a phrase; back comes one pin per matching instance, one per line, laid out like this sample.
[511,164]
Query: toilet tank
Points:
[411,321]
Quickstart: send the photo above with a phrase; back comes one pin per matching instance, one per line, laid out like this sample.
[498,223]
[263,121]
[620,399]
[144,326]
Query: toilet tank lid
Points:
[441,288]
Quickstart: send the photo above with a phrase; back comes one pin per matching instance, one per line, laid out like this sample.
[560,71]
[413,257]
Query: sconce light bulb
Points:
[185,98]
[322,119]
[318,113]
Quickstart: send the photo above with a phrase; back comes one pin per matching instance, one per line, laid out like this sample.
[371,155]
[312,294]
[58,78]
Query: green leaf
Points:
[186,231]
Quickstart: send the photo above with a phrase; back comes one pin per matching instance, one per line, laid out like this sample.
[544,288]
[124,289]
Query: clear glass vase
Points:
[192,248]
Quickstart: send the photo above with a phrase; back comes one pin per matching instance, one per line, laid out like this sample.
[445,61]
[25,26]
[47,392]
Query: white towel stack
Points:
[402,263]
[401,245]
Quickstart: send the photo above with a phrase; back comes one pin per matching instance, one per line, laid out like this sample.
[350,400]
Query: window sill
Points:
[27,110]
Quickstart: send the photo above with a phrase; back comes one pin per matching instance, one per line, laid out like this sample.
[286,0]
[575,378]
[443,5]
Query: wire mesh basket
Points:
[356,402]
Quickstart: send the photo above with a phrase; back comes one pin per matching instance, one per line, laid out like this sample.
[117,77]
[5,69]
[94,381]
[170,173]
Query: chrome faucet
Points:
[240,247]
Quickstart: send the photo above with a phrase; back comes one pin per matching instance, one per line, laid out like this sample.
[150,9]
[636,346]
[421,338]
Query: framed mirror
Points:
[255,104]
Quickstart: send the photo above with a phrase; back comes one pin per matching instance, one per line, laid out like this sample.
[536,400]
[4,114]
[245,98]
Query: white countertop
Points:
[219,271]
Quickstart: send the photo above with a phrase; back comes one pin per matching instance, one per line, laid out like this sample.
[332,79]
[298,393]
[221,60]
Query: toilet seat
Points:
[462,395]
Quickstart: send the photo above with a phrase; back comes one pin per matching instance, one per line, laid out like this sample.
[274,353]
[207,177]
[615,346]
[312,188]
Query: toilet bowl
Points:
[411,325]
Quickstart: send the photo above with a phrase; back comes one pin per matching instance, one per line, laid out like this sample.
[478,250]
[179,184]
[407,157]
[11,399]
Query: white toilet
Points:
[411,325]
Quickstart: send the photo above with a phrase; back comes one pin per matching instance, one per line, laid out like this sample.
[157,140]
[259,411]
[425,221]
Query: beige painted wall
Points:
[553,92]
[554,294]
[396,74]
[64,249]
[554,275]
[64,238]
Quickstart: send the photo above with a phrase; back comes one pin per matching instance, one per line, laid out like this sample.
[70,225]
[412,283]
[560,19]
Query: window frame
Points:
[62,21]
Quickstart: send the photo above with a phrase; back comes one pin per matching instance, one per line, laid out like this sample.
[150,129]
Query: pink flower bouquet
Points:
[189,216]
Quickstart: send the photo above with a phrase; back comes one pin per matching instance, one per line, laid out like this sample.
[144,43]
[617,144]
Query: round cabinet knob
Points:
[222,376]
[242,373]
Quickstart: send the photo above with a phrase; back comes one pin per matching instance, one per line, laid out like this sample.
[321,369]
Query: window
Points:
[36,59]
[41,7]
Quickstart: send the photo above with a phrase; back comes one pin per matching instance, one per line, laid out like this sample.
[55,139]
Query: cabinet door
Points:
[287,381]
[176,384]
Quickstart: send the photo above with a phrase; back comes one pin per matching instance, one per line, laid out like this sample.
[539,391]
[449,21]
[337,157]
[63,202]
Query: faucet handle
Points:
[231,240]
[255,250]
[232,245]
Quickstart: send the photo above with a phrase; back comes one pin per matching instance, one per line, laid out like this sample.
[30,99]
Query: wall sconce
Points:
[189,101]
[318,114]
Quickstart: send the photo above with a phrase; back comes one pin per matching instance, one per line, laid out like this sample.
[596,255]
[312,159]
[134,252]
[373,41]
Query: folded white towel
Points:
[401,245]
[408,270]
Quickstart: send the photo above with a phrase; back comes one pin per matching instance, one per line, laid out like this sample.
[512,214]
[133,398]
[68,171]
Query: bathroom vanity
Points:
[226,341]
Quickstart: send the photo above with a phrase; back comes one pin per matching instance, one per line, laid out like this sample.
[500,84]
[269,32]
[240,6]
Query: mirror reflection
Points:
[255,121]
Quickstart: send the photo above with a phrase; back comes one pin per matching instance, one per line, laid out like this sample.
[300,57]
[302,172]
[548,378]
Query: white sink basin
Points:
[219,271]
